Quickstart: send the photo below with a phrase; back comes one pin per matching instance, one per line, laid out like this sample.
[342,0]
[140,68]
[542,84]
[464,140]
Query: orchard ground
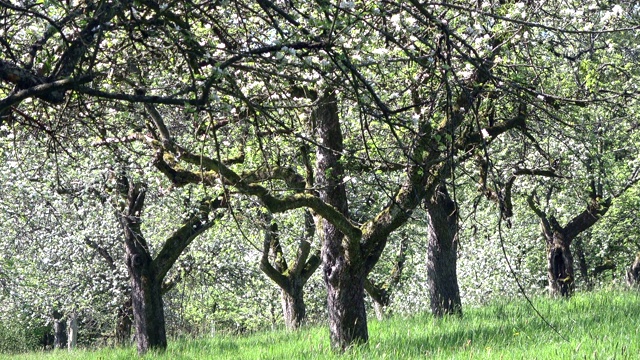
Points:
[592,325]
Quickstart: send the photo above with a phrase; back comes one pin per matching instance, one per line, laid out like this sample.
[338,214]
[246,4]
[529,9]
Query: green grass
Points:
[599,325]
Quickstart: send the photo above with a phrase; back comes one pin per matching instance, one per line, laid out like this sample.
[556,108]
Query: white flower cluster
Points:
[615,12]
[347,5]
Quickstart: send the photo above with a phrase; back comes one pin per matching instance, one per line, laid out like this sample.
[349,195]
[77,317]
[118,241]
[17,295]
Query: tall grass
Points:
[598,325]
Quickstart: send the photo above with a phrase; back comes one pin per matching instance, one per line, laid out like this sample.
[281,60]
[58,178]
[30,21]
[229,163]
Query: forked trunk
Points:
[293,306]
[559,238]
[290,279]
[147,274]
[443,254]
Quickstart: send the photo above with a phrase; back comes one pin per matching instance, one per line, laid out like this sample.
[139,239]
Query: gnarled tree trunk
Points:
[146,273]
[443,254]
[146,297]
[560,266]
[345,295]
[342,264]
[558,238]
[293,308]
[148,311]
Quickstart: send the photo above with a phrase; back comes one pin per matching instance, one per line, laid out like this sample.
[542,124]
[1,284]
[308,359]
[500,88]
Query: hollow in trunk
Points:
[560,270]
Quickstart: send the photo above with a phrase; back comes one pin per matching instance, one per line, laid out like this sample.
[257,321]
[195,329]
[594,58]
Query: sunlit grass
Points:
[599,325]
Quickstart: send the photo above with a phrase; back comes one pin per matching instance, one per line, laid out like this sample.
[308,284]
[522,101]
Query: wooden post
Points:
[73,331]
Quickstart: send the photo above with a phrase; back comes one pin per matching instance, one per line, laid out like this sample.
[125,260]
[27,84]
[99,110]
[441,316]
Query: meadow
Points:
[594,325]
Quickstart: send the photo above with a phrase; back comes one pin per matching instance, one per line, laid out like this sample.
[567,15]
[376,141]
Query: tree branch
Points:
[304,245]
[158,121]
[293,180]
[103,252]
[595,210]
[538,172]
[273,203]
[425,174]
[277,275]
[181,238]
[139,98]
[52,92]
[544,221]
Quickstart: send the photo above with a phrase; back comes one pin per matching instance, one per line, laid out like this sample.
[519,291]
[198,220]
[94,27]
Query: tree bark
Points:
[146,296]
[148,311]
[290,279]
[123,326]
[560,271]
[147,274]
[633,274]
[342,264]
[442,255]
[294,309]
[59,331]
[73,331]
[345,294]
